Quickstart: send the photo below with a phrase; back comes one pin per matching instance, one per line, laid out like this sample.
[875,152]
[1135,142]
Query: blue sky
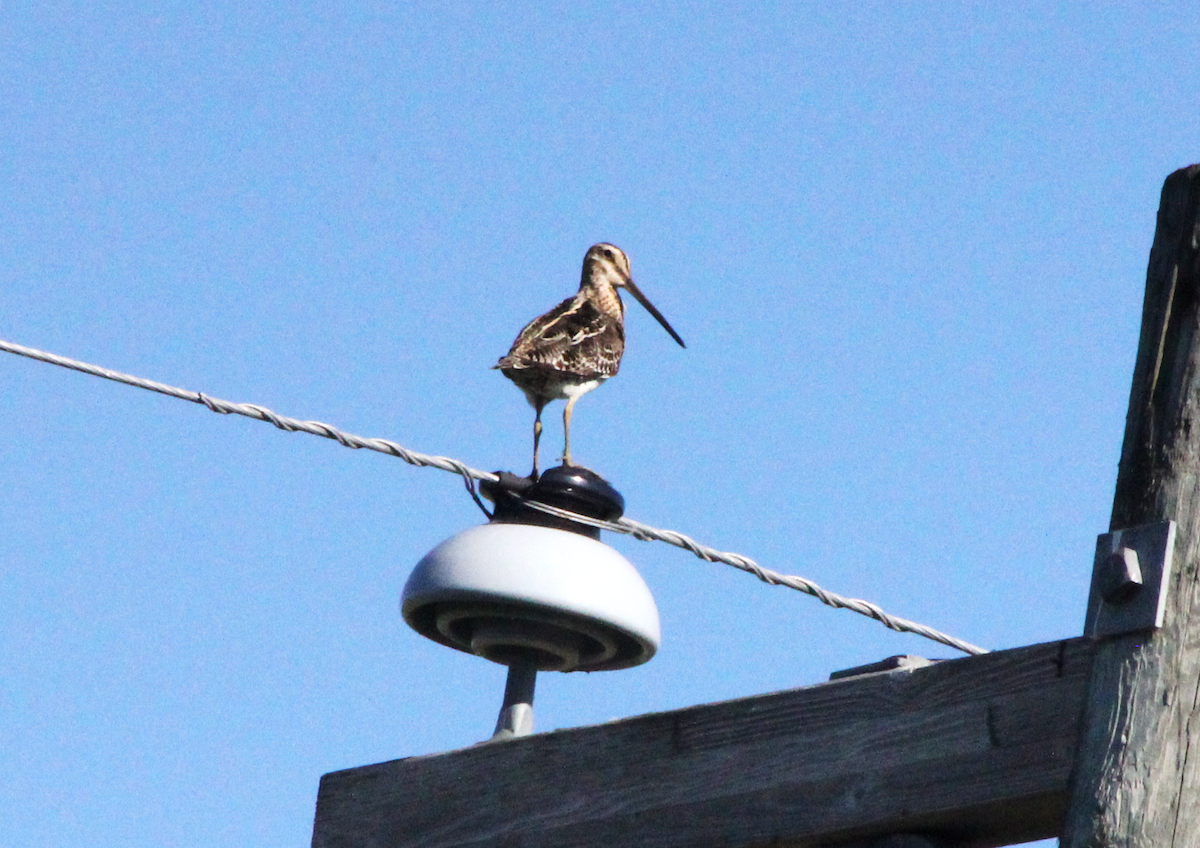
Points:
[905,243]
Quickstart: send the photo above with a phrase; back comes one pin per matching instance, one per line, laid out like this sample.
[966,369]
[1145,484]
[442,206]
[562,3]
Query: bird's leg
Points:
[538,405]
[567,429]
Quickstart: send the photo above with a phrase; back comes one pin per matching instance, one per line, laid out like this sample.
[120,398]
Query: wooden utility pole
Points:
[971,752]
[1137,772]
[1094,738]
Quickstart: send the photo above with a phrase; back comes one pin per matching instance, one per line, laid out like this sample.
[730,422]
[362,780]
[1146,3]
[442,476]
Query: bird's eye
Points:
[608,253]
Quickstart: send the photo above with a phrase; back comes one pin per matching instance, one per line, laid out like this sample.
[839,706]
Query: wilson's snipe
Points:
[578,344]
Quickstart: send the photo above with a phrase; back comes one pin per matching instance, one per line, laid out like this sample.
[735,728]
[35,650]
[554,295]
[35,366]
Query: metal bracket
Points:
[900,662]
[1129,580]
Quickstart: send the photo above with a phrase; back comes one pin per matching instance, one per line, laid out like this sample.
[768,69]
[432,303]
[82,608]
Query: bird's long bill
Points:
[641,298]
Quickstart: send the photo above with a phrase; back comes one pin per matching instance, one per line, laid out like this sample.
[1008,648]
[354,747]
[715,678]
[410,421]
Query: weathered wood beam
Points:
[977,751]
[1138,783]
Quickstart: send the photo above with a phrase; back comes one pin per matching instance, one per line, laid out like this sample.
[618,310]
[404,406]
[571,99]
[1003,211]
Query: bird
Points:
[577,345]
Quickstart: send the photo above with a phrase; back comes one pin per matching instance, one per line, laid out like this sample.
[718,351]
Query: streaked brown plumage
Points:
[578,344]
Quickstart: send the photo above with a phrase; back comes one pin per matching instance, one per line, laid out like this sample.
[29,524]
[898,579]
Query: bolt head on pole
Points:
[1130,580]
[1122,575]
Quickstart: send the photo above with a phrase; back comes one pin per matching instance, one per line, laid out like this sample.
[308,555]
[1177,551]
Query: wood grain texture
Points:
[1138,782]
[977,751]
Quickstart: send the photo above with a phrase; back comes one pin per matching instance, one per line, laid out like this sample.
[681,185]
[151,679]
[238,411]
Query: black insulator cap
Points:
[569,487]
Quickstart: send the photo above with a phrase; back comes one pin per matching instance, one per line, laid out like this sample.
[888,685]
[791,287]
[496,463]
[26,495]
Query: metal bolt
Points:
[1122,576]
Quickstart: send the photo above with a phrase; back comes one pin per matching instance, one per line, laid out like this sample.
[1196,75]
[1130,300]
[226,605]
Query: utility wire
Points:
[261,413]
[646,533]
[469,475]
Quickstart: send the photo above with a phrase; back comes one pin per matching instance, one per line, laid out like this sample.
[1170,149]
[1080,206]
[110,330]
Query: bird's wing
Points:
[573,337]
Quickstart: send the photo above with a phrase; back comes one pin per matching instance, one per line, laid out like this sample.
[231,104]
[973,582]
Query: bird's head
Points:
[607,264]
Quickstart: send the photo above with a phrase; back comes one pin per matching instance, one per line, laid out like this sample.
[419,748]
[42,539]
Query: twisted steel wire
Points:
[627,526]
[261,413]
[646,533]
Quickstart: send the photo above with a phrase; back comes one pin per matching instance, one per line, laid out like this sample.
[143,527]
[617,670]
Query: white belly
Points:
[562,390]
[574,390]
